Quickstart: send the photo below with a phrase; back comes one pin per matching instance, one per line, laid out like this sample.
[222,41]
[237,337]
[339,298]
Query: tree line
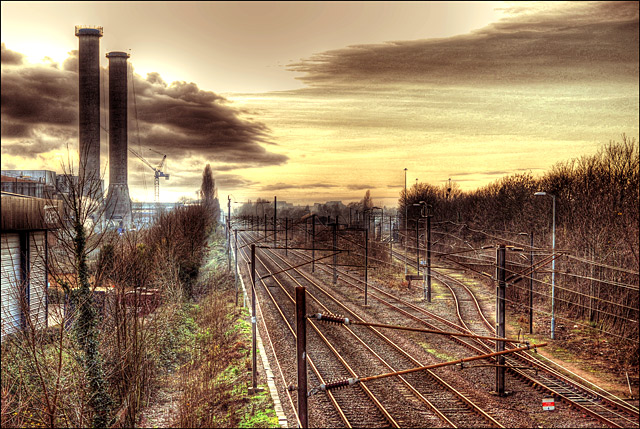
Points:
[596,215]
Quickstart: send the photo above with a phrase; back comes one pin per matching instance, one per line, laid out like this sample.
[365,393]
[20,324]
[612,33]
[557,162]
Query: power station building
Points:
[89,109]
[118,202]
[47,184]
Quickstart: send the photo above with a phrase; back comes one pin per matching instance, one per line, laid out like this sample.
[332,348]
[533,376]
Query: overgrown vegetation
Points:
[216,378]
[597,211]
[138,306]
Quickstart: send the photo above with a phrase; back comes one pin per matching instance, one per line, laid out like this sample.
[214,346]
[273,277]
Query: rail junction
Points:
[463,395]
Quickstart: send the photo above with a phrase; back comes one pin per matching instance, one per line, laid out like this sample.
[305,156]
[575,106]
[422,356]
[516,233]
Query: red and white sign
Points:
[548,404]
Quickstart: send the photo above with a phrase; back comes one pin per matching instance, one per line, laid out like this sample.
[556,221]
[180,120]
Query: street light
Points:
[553,264]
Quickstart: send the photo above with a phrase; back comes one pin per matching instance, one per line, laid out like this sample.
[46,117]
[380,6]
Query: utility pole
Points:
[313,243]
[235,248]
[500,307]
[417,246]
[531,288]
[229,232]
[301,354]
[405,221]
[275,221]
[428,291]
[390,238]
[254,382]
[286,236]
[265,227]
[366,264]
[335,253]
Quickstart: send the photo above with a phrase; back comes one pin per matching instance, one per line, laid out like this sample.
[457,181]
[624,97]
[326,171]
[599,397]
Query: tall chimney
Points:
[118,202]
[89,107]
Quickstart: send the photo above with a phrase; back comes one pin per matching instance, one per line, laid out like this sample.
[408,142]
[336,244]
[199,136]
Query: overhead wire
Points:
[537,310]
[576,322]
[135,113]
[636,273]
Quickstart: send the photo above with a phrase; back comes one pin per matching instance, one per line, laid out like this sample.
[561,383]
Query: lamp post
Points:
[553,264]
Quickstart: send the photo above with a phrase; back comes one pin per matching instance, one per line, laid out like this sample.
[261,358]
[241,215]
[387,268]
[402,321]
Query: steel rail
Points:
[315,370]
[366,390]
[548,384]
[383,361]
[470,404]
[627,408]
[541,365]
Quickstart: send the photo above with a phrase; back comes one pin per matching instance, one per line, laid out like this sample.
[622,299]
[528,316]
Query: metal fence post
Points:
[366,264]
[428,258]
[254,381]
[301,352]
[500,328]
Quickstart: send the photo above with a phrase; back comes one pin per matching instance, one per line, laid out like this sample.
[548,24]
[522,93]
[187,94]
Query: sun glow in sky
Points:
[316,101]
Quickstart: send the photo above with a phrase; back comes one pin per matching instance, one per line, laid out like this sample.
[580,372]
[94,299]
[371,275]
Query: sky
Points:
[319,101]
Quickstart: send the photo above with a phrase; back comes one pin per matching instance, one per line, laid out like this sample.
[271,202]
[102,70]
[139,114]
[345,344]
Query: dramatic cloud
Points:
[573,43]
[40,113]
[10,57]
[180,120]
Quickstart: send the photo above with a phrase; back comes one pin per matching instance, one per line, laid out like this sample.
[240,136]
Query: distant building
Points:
[337,204]
[143,213]
[33,183]
[283,205]
[38,183]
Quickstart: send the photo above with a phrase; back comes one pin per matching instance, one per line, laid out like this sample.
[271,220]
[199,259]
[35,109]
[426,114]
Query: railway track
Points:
[470,317]
[611,411]
[420,399]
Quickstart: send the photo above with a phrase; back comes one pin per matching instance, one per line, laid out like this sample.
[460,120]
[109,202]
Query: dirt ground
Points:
[585,352]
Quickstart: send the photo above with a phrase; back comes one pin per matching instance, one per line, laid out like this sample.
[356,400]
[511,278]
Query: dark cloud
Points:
[180,119]
[10,57]
[12,130]
[39,95]
[231,181]
[578,42]
[359,187]
[282,186]
[177,119]
[485,173]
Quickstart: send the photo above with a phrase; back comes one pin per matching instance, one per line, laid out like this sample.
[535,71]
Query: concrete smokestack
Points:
[118,202]
[89,107]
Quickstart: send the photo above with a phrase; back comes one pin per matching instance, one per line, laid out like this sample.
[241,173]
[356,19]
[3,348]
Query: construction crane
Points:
[157,171]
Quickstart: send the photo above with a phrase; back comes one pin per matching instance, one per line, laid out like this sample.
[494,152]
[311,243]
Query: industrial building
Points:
[38,183]
[23,236]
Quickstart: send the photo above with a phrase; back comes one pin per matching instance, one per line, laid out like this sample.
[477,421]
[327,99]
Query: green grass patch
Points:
[442,356]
